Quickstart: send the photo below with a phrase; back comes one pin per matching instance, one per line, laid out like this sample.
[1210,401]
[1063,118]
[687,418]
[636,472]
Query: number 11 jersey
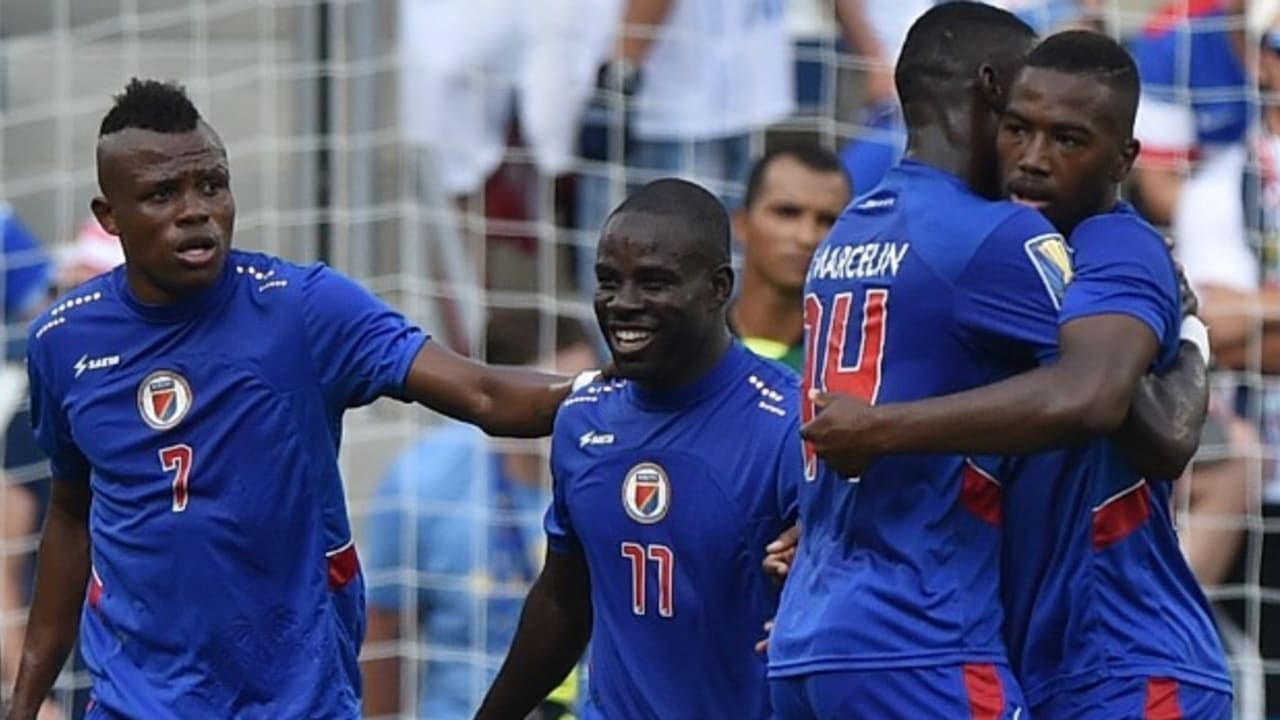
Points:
[672,497]
[921,289]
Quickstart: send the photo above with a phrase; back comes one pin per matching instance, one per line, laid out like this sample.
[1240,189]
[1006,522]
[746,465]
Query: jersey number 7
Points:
[828,368]
[177,460]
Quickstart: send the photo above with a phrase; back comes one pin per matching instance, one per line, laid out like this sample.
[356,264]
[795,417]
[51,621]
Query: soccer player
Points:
[190,402]
[1105,619]
[667,486]
[923,288]
[794,195]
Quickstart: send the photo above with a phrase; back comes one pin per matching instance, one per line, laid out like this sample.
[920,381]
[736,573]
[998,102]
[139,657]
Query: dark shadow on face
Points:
[1062,147]
[660,301]
[168,197]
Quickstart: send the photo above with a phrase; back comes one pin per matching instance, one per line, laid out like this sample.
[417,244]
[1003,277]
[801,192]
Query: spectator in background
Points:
[794,195]
[453,542]
[701,76]
[1227,228]
[1195,90]
[24,488]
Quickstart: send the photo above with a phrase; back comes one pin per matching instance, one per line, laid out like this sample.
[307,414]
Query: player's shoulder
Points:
[590,402]
[1120,230]
[769,392]
[264,271]
[87,306]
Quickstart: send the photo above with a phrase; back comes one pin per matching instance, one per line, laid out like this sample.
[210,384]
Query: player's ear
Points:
[721,286]
[989,85]
[1128,154]
[106,216]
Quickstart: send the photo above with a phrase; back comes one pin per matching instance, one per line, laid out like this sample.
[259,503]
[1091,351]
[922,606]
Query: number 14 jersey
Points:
[921,289]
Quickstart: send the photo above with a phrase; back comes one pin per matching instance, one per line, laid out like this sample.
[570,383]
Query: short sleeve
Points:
[1123,267]
[363,348]
[49,422]
[1008,296]
[561,537]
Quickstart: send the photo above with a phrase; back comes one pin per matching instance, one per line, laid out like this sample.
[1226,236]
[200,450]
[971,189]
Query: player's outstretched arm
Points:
[504,401]
[62,574]
[554,628]
[1086,392]
[1162,431]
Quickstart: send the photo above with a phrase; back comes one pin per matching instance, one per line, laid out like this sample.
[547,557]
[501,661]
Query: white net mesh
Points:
[369,134]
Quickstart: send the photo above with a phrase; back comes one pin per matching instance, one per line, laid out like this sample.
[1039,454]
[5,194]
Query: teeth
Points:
[633,335]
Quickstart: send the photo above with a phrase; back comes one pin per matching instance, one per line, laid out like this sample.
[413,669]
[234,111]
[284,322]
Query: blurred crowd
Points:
[604,95]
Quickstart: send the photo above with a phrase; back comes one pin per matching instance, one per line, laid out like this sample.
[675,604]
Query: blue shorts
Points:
[1136,698]
[976,691]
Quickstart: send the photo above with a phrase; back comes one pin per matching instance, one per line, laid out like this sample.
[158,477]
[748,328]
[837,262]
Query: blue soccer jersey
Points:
[224,580]
[672,498]
[1095,584]
[921,289]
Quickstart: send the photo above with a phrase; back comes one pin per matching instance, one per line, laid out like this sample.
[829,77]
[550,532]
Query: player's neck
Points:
[761,311]
[938,147]
[699,366]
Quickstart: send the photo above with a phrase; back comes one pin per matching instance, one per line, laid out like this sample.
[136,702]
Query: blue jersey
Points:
[921,289]
[224,581]
[672,498]
[1095,584]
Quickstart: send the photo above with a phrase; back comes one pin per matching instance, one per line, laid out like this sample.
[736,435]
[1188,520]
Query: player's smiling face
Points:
[1060,146]
[657,300]
[168,197]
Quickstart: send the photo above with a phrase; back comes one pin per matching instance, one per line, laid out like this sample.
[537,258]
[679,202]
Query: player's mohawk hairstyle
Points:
[672,197]
[1088,53]
[151,105]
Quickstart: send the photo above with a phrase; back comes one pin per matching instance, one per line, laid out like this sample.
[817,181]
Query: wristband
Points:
[1195,332]
[583,379]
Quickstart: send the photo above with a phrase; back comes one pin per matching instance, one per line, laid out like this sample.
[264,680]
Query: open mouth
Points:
[1037,200]
[197,252]
[628,340]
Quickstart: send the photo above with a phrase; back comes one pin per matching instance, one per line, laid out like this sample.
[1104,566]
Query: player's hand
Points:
[840,431]
[781,553]
[762,645]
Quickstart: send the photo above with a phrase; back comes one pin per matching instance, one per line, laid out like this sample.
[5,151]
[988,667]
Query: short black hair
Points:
[811,155]
[1092,54]
[512,335]
[948,43]
[692,203]
[151,105]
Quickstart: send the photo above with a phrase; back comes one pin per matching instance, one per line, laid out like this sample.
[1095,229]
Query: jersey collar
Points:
[179,311]
[725,371]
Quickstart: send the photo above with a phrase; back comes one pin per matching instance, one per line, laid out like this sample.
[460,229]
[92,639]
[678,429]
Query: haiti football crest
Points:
[646,493]
[164,397]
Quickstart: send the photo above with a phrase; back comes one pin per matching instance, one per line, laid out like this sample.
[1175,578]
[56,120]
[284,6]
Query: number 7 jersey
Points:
[672,498]
[224,583]
[922,288]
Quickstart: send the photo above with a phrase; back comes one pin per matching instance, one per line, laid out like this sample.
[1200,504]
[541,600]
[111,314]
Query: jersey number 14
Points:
[829,370]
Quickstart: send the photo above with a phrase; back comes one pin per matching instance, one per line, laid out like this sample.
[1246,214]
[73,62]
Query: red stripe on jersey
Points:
[95,590]
[1121,514]
[343,566]
[981,493]
[1162,700]
[986,695]
[1170,15]
[1167,158]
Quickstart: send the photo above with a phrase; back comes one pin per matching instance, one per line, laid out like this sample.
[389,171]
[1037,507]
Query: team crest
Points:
[646,493]
[164,397]
[1052,258]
